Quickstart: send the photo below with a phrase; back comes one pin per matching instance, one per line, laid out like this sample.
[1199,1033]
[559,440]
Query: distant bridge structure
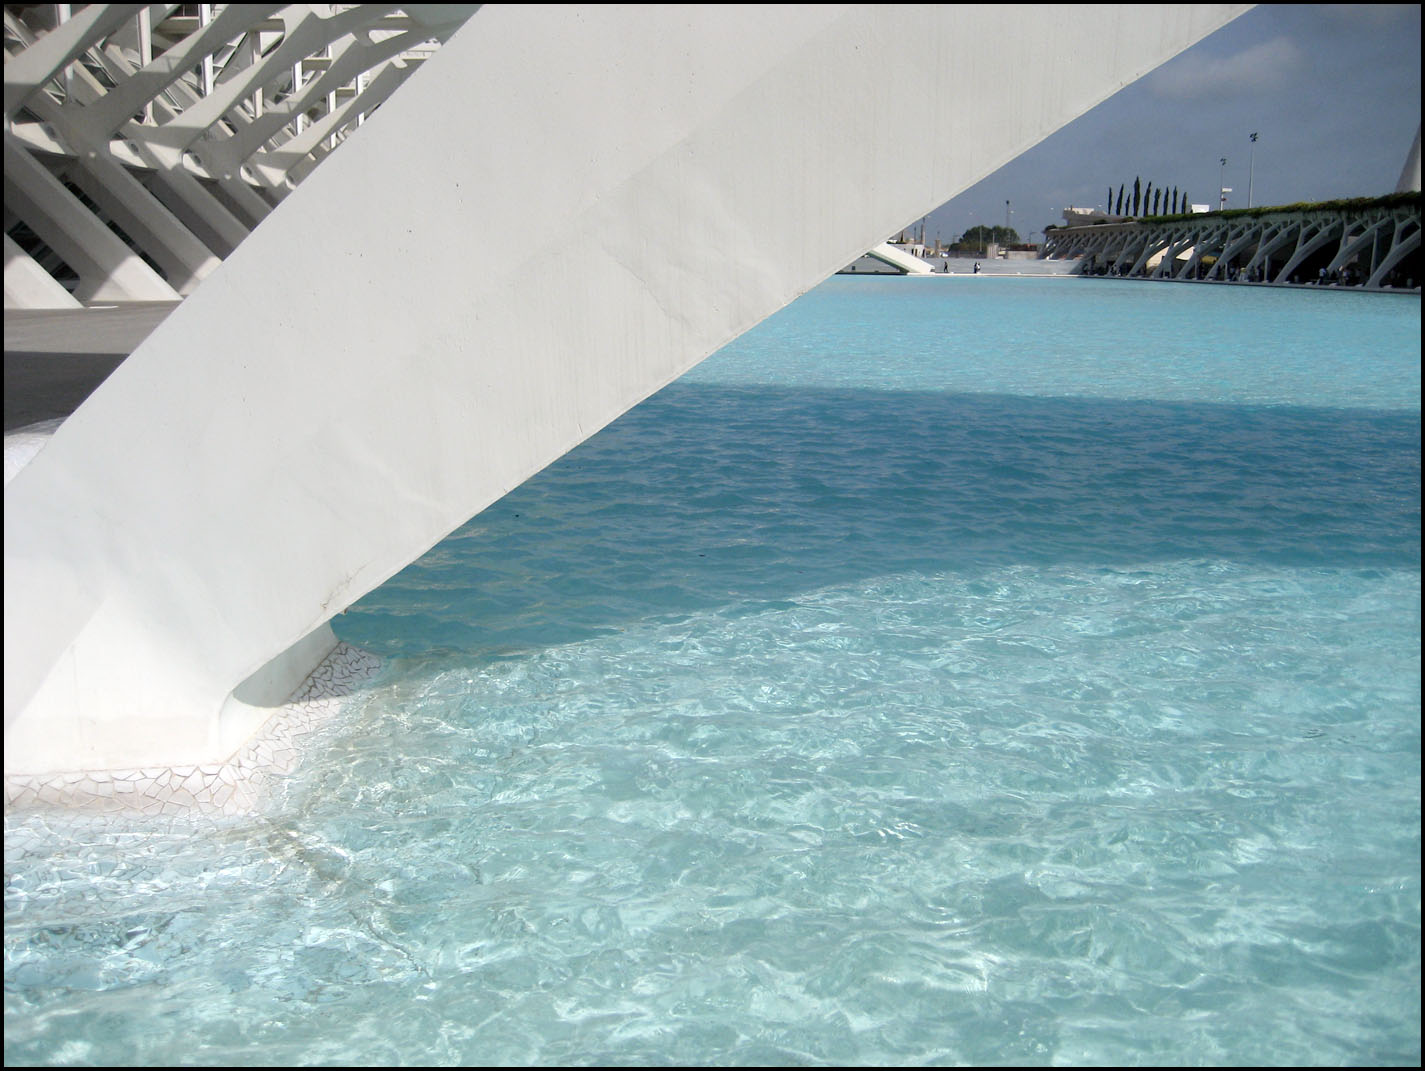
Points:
[1370,244]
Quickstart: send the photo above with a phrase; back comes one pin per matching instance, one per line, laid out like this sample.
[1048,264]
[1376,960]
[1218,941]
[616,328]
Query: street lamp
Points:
[1222,186]
[1251,163]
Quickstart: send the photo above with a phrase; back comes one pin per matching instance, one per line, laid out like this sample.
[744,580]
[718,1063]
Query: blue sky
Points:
[1333,91]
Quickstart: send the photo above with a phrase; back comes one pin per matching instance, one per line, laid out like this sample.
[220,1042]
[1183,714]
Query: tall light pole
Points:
[1251,163]
[1222,186]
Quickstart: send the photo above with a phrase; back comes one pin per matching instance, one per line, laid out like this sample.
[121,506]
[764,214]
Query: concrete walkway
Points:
[55,358]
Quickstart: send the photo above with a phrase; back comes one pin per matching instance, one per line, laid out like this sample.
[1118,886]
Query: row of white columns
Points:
[1280,244]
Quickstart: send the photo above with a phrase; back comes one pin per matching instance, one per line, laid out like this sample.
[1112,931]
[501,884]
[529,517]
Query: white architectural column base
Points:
[238,786]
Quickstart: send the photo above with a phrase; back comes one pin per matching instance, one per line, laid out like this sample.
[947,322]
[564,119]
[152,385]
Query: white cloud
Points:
[1374,15]
[1256,69]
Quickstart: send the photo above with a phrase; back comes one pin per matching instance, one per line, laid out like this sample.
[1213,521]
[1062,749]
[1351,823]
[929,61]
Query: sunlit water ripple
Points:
[958,671]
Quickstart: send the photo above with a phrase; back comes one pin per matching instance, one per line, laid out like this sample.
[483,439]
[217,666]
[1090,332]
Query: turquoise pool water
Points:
[948,671]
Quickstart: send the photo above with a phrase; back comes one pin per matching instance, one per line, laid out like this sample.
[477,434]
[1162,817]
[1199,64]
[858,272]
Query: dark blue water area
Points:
[709,494]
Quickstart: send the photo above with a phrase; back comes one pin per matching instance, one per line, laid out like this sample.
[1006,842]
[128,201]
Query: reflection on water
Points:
[708,494]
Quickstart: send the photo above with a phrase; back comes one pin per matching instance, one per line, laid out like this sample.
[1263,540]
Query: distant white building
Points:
[1078,217]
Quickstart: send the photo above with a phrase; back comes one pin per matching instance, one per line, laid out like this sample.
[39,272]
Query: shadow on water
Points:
[709,496]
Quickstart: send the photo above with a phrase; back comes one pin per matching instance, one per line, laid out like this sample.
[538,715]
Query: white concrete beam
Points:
[29,286]
[108,269]
[26,72]
[353,59]
[1353,244]
[1312,237]
[185,260]
[186,197]
[1401,245]
[131,95]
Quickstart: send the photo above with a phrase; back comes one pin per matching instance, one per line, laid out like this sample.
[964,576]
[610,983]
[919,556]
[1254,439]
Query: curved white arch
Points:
[565,210]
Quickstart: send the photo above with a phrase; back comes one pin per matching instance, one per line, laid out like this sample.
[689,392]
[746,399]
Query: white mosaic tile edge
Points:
[235,787]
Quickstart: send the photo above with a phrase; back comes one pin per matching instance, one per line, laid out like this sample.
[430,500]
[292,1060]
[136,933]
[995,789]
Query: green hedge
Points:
[1352,204]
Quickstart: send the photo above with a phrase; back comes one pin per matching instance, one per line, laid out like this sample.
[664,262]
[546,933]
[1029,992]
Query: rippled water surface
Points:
[951,671]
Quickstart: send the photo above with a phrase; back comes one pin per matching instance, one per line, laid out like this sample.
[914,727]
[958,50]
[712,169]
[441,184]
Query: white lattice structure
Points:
[144,142]
[494,267]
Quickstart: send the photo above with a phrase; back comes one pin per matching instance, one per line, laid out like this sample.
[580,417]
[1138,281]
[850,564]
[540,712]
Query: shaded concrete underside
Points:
[56,358]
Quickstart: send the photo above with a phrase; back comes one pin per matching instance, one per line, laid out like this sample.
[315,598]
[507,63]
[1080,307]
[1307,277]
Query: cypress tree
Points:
[1157,197]
[1137,194]
[1147,199]
[1120,200]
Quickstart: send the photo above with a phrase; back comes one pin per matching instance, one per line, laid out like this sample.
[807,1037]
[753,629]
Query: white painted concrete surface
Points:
[365,372]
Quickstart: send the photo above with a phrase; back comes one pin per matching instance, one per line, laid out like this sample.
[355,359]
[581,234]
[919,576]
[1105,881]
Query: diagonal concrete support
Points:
[1353,244]
[1235,243]
[131,95]
[1272,239]
[1312,237]
[1402,244]
[29,286]
[185,260]
[27,72]
[108,269]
